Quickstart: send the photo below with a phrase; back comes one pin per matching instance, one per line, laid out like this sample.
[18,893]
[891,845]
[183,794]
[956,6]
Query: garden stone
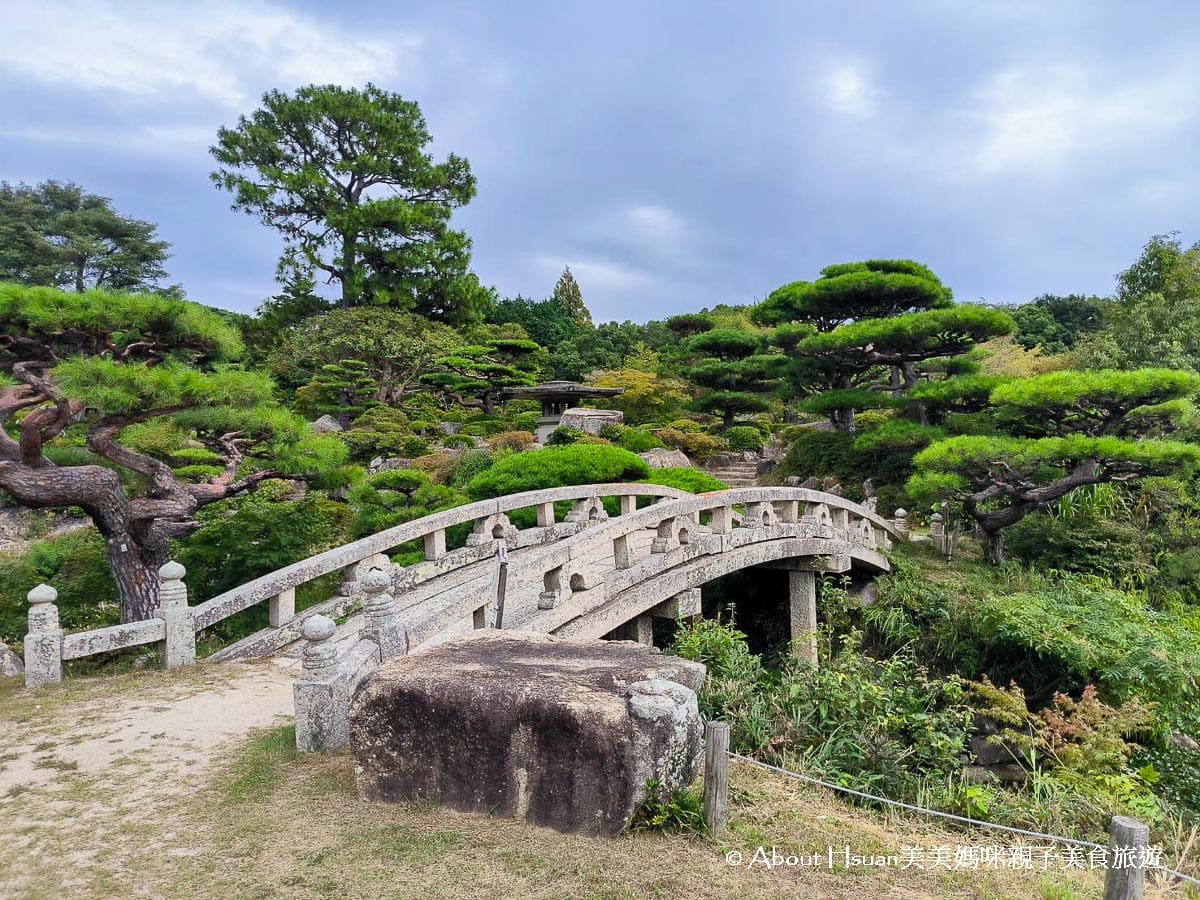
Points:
[10,663]
[327,425]
[560,733]
[662,458]
[590,421]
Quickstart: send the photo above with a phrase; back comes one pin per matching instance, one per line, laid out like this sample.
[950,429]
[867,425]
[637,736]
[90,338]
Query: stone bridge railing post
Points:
[314,693]
[178,648]
[381,619]
[43,643]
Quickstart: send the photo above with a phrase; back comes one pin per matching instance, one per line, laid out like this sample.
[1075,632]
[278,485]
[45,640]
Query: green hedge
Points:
[557,467]
[692,480]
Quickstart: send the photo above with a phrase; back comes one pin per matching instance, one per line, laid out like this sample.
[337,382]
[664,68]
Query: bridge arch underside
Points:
[662,593]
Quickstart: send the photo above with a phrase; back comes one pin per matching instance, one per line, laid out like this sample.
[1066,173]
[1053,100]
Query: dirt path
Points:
[172,728]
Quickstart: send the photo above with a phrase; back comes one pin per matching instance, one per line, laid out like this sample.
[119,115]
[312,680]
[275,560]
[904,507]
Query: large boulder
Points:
[565,734]
[590,420]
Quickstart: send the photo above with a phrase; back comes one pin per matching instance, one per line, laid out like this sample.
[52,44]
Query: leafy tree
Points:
[733,372]
[1156,319]
[569,299]
[869,326]
[57,234]
[475,374]
[607,346]
[397,347]
[100,389]
[344,176]
[545,321]
[1069,429]
[1056,324]
[649,396]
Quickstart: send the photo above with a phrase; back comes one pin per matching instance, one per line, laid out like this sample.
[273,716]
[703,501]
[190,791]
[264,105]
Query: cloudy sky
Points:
[674,154]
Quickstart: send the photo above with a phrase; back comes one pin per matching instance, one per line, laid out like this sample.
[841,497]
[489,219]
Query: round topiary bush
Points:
[557,467]
[744,438]
[456,441]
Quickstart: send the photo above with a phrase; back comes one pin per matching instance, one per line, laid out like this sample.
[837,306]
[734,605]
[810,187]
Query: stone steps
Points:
[741,474]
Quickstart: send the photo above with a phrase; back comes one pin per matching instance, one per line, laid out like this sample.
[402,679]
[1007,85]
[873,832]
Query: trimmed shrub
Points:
[413,447]
[563,436]
[698,447]
[744,438]
[397,496]
[462,467]
[692,480]
[462,441]
[513,440]
[638,440]
[556,467]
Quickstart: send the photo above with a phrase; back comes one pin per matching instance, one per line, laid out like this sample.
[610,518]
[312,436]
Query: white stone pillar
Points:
[628,504]
[179,641]
[43,643]
[381,619]
[643,630]
[802,604]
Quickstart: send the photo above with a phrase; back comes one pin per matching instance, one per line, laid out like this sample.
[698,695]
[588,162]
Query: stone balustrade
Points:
[404,608]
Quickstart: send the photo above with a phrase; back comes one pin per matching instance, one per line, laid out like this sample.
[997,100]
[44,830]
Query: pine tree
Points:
[570,299]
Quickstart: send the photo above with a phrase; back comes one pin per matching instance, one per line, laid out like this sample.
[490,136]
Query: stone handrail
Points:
[553,545]
[290,577]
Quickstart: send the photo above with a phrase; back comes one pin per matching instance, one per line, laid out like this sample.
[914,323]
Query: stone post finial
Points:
[172,592]
[43,643]
[320,656]
[43,614]
[900,522]
[381,617]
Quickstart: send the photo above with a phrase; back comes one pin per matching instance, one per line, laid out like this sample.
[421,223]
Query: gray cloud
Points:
[674,155]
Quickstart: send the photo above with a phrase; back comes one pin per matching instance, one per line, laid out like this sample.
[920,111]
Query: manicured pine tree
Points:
[732,372]
[1064,430]
[475,374]
[862,331]
[96,386]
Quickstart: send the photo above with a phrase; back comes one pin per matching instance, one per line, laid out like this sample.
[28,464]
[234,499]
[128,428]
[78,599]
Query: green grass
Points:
[261,766]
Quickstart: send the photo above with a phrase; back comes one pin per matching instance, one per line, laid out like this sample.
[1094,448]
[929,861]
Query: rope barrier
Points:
[966,820]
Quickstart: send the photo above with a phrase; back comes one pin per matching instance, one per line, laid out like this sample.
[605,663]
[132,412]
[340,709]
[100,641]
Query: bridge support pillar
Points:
[628,504]
[802,603]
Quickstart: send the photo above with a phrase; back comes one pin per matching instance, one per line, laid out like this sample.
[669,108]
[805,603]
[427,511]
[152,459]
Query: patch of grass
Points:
[260,767]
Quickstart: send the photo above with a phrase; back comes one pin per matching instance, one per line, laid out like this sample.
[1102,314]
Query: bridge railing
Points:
[174,626]
[690,525]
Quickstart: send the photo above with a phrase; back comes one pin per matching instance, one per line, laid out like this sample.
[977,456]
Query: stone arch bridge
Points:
[556,561]
[584,562]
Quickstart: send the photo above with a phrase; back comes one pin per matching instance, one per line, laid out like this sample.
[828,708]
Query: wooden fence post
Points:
[1128,843]
[716,777]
